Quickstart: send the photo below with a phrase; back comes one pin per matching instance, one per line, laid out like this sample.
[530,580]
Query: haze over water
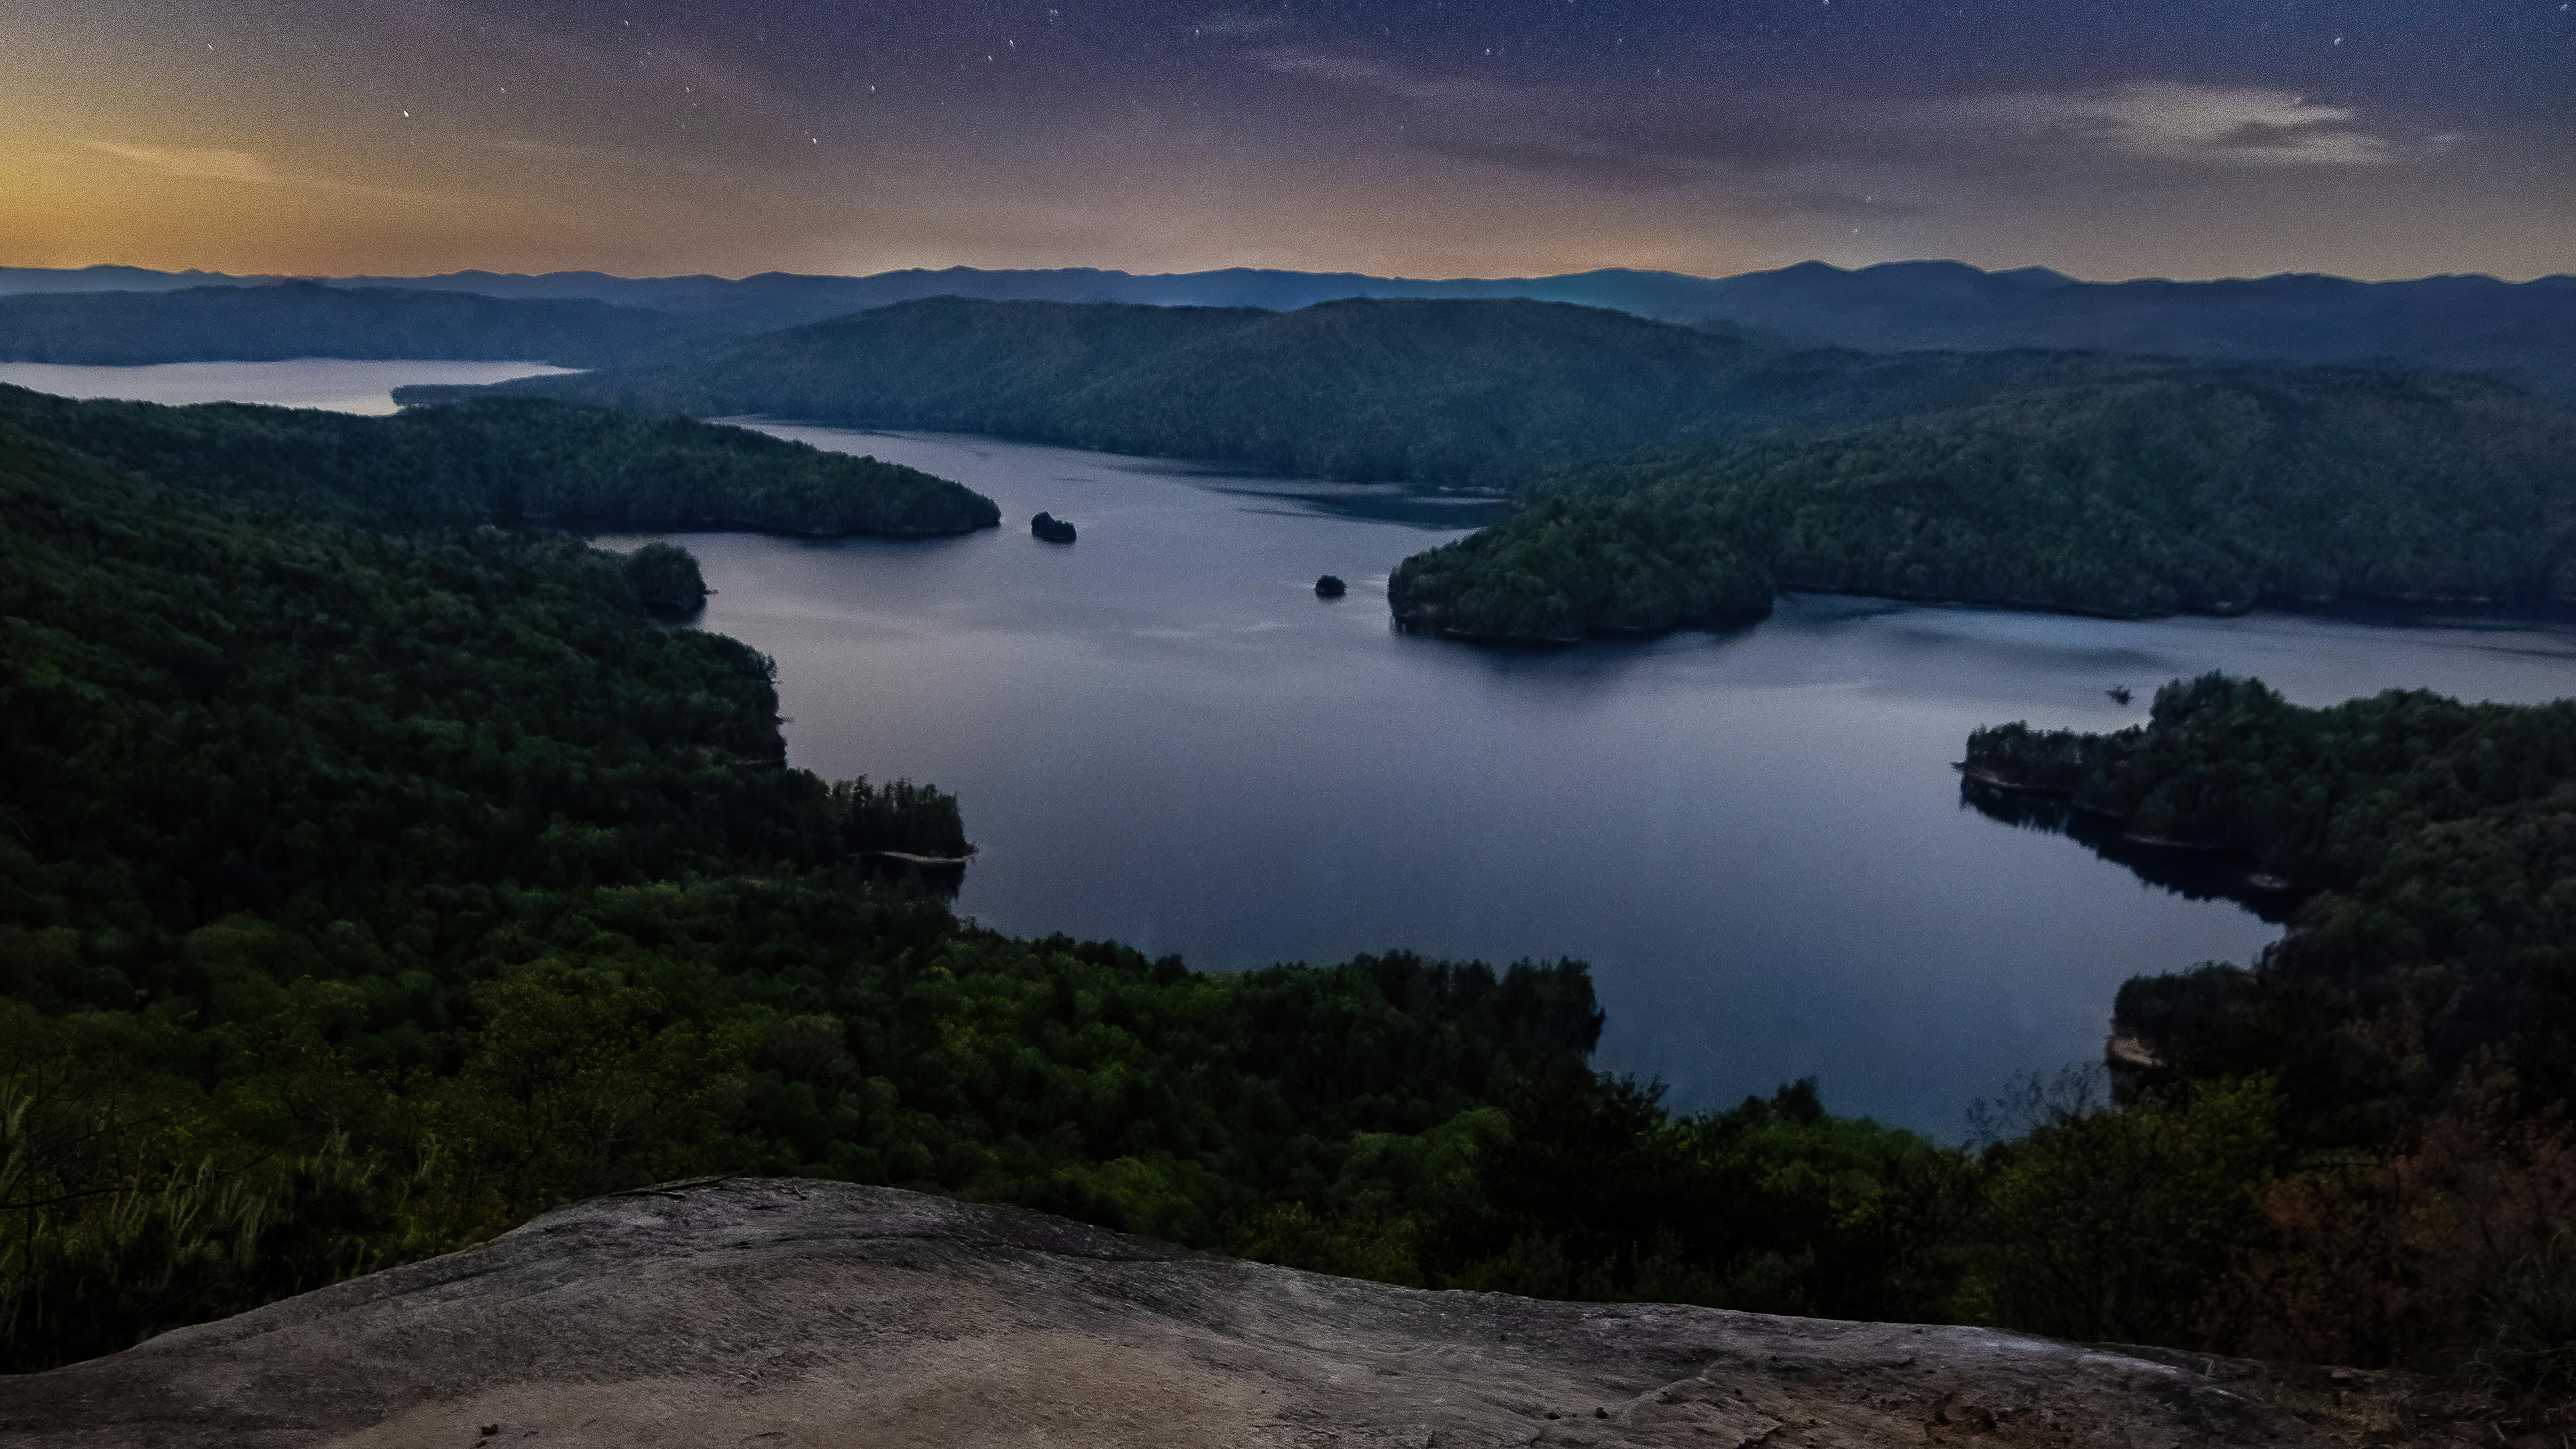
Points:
[1160,735]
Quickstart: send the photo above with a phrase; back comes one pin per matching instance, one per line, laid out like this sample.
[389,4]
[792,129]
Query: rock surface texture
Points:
[781,1314]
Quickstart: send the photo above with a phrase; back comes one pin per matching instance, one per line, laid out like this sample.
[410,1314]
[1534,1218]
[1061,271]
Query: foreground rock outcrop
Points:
[802,1313]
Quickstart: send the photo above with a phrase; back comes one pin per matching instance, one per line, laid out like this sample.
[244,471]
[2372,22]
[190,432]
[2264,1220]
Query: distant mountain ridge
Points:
[2520,331]
[307,319]
[1382,390]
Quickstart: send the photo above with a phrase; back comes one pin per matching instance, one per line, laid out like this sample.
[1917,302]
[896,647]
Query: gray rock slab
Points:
[792,1314]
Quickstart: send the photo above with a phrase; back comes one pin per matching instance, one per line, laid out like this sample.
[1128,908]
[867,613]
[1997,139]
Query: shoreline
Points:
[2390,613]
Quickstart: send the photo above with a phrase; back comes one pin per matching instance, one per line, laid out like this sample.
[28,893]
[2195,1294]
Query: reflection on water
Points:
[936,877]
[2192,873]
[1373,502]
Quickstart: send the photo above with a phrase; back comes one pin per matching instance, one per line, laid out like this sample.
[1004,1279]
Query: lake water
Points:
[310,382]
[1159,734]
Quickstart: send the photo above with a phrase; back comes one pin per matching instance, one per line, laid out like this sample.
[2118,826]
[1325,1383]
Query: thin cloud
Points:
[2207,125]
[244,168]
[1746,136]
[1364,72]
[199,163]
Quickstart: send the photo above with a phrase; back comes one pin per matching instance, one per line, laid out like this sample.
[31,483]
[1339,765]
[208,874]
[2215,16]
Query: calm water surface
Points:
[1160,735]
[309,382]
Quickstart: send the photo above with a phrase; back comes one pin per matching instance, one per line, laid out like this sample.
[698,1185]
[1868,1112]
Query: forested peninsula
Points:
[1453,392]
[508,461]
[2418,1023]
[307,319]
[2441,838]
[2140,489]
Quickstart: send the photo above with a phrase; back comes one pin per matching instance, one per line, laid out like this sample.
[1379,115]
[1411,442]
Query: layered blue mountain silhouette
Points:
[2523,332]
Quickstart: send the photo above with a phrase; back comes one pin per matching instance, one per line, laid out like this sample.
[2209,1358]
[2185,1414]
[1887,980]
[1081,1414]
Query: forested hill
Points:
[307,319]
[2433,973]
[1465,392]
[2524,332]
[2417,1026]
[2146,489]
[508,461]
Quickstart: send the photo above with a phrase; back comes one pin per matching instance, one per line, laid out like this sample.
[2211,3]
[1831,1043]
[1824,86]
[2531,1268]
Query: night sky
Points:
[2184,138]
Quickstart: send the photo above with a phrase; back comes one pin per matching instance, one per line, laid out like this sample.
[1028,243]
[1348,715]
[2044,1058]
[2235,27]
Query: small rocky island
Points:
[1051,528]
[1330,587]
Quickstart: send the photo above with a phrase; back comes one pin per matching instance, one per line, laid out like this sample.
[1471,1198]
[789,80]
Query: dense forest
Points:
[2142,489]
[306,319]
[2418,1023]
[1450,391]
[2438,837]
[509,461]
[374,877]
[367,887]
